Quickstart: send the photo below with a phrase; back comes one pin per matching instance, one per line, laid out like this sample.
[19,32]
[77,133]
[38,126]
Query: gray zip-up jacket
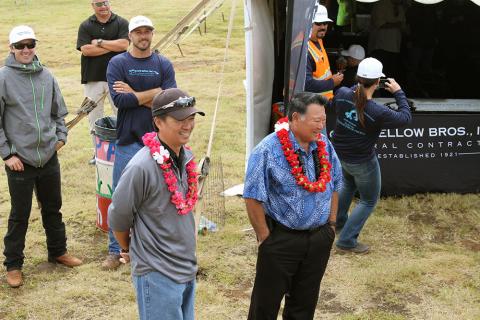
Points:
[32,112]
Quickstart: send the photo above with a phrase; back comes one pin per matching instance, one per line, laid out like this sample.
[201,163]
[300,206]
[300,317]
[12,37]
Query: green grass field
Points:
[425,259]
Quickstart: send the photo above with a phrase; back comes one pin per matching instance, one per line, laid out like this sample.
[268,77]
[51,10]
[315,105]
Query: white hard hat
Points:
[355,51]
[370,68]
[321,15]
[139,21]
[20,33]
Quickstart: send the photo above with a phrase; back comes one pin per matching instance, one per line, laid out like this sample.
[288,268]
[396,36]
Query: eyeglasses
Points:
[320,23]
[21,46]
[183,102]
[101,4]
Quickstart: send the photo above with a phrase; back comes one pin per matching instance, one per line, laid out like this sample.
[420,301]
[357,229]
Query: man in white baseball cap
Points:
[355,54]
[32,130]
[134,78]
[140,21]
[319,78]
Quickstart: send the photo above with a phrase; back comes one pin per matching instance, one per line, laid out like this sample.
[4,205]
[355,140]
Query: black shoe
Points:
[359,248]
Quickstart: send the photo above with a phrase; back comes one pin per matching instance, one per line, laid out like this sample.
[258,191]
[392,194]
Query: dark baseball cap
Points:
[175,103]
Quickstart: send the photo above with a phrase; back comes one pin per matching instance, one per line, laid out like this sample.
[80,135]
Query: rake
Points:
[86,107]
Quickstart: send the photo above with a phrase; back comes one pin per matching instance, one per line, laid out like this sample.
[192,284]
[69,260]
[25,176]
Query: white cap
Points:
[20,33]
[355,51]
[139,21]
[370,68]
[321,15]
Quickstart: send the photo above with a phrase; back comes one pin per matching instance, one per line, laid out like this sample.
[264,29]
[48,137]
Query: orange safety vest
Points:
[322,66]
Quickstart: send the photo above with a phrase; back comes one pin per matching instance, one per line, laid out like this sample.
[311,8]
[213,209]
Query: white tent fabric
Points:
[260,68]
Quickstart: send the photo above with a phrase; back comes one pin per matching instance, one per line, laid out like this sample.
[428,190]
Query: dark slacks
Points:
[291,264]
[21,184]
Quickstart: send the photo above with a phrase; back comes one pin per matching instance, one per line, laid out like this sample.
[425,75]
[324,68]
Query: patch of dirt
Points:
[328,304]
[201,273]
[327,295]
[333,307]
[443,234]
[380,302]
[413,299]
[47,267]
[422,217]
[471,245]
[241,292]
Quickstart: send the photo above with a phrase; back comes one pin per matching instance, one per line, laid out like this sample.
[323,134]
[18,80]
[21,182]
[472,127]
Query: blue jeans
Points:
[123,154]
[366,179]
[159,297]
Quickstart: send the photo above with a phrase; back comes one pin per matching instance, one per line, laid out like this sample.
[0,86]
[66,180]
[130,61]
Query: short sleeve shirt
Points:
[95,68]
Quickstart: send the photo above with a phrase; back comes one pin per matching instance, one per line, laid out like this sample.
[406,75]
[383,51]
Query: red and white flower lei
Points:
[281,129]
[161,155]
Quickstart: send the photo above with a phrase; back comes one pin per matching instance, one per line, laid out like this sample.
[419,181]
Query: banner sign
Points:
[301,25]
[435,153]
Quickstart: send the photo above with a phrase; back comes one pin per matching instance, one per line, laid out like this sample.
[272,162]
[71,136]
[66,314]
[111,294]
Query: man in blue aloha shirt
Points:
[291,194]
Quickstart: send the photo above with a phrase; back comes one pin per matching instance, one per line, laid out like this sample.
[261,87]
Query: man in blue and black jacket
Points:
[134,78]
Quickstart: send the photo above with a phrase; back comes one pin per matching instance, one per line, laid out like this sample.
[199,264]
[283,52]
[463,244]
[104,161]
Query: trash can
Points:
[105,137]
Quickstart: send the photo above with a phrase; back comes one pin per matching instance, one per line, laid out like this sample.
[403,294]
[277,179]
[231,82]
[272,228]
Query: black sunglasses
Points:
[21,46]
[101,4]
[320,23]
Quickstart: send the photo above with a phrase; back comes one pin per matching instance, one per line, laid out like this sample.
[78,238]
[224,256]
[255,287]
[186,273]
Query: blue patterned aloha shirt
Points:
[268,180]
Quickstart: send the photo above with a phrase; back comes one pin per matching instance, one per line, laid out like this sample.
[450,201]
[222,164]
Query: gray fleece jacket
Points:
[32,112]
[161,240]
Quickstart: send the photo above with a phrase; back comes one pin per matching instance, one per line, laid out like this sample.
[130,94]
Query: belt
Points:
[274,224]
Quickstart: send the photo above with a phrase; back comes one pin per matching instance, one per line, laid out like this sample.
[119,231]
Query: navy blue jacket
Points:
[355,143]
[142,74]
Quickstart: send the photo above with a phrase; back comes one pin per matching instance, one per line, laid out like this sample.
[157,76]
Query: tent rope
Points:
[205,162]
[222,76]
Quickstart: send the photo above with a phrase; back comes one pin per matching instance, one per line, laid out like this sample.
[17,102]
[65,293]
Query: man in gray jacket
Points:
[154,199]
[32,130]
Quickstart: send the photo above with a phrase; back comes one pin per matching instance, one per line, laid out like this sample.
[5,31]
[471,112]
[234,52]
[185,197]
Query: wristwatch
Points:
[99,42]
[124,250]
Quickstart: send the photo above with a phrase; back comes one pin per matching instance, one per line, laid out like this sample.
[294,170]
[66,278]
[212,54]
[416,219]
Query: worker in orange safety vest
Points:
[319,78]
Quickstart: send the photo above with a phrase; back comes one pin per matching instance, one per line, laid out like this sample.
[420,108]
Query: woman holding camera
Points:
[359,123]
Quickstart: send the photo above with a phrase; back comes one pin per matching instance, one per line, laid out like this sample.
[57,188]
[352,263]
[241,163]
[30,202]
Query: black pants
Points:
[20,184]
[291,264]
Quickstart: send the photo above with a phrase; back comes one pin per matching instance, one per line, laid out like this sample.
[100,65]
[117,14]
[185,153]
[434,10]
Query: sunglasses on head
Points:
[21,46]
[183,102]
[101,4]
[320,23]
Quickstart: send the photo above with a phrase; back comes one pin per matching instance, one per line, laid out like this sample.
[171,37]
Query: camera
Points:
[382,82]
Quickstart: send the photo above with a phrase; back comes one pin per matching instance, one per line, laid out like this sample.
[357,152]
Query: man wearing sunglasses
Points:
[162,244]
[319,78]
[32,130]
[134,78]
[100,37]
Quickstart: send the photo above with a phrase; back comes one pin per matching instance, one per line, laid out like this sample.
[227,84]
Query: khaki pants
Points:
[95,90]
